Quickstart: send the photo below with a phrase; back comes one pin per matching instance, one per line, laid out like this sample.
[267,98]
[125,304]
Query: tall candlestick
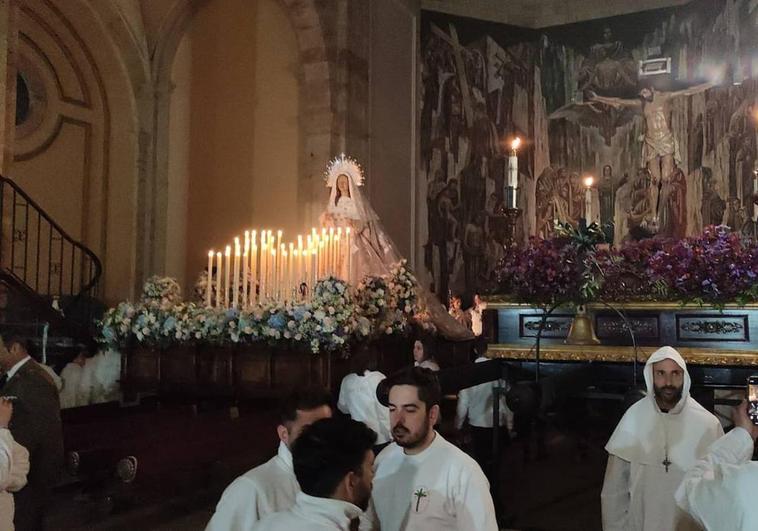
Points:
[290,269]
[210,279]
[236,283]
[272,275]
[349,250]
[218,280]
[513,172]
[588,199]
[262,284]
[306,267]
[330,251]
[245,265]
[227,264]
[253,274]
[300,264]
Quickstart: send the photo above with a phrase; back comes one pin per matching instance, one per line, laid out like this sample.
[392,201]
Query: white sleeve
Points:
[474,508]
[6,457]
[461,408]
[615,496]
[342,401]
[702,490]
[237,510]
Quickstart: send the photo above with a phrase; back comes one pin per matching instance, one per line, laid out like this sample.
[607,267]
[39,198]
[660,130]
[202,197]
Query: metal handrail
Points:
[56,254]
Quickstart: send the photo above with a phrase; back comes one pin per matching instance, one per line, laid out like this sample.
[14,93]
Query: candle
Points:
[227,265]
[245,265]
[253,274]
[349,274]
[306,264]
[262,285]
[300,264]
[588,199]
[513,171]
[208,288]
[330,252]
[290,269]
[337,255]
[218,279]
[236,283]
[272,275]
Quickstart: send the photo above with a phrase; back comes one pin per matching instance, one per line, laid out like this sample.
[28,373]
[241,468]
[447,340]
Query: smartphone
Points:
[752,398]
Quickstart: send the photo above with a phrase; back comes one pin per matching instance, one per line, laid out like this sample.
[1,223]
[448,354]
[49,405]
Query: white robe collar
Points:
[285,456]
[325,510]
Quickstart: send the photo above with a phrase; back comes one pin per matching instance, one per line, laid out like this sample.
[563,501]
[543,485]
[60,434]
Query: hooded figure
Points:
[656,441]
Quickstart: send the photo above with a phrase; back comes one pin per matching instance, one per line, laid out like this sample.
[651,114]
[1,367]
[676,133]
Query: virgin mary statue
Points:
[372,251]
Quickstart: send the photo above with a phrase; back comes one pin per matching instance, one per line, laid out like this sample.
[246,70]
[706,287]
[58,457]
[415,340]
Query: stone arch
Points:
[90,97]
[316,117]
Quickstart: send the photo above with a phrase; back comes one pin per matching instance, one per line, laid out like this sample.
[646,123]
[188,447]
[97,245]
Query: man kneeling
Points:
[333,461]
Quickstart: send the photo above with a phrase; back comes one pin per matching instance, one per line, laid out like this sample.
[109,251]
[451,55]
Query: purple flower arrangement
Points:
[547,272]
[716,268]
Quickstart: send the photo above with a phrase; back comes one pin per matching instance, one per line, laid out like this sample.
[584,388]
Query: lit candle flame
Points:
[515,143]
[589,181]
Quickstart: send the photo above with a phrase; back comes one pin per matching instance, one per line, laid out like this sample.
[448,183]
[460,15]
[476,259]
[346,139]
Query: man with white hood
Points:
[657,440]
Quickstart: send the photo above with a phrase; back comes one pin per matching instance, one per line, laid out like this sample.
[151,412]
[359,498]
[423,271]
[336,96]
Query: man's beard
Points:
[362,500]
[406,439]
[668,394]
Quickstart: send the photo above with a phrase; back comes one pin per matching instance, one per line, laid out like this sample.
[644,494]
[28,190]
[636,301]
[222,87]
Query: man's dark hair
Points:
[327,450]
[424,380]
[14,337]
[304,399]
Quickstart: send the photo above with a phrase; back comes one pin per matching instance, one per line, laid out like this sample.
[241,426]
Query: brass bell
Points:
[582,331]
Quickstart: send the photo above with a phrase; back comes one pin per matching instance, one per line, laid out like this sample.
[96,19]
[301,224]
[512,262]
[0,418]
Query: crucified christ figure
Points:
[660,150]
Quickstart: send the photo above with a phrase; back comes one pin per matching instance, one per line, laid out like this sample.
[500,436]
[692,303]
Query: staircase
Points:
[49,282]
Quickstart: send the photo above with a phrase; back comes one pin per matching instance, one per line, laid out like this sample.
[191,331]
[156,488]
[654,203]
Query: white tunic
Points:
[358,399]
[311,514]
[14,466]
[476,404]
[638,491]
[439,489]
[268,488]
[719,491]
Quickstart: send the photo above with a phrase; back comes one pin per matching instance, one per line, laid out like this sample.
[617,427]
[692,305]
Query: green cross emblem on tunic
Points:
[420,493]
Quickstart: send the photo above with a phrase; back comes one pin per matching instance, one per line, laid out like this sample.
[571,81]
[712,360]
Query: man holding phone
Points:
[719,491]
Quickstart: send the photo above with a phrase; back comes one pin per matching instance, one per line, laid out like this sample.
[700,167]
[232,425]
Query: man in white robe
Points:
[658,439]
[333,461]
[720,490]
[358,399]
[14,466]
[422,482]
[272,486]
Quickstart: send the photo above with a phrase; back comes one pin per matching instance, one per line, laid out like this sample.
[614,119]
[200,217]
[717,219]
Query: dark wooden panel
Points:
[556,326]
[719,328]
[613,327]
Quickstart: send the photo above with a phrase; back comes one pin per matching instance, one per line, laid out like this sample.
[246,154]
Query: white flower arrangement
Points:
[332,320]
[163,292]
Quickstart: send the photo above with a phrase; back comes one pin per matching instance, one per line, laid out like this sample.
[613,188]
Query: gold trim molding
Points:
[608,353]
[496,302]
